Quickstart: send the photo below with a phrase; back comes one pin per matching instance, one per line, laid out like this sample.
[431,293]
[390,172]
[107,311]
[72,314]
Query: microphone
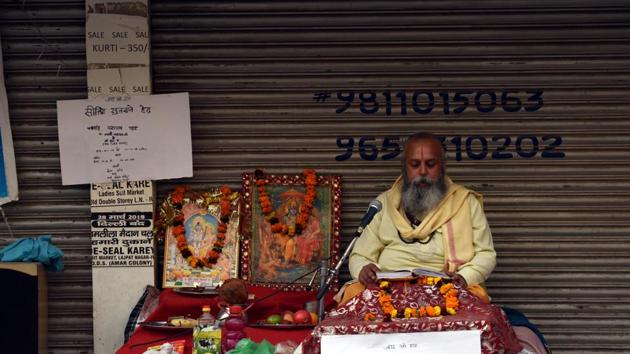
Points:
[374,207]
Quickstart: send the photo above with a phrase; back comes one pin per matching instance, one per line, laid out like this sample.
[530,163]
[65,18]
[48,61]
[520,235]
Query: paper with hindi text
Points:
[125,138]
[447,342]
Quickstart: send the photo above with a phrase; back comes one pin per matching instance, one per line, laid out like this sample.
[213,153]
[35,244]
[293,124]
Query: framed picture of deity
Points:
[201,237]
[289,224]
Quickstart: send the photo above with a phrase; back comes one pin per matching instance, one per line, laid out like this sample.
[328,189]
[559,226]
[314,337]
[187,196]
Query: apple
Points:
[287,316]
[302,316]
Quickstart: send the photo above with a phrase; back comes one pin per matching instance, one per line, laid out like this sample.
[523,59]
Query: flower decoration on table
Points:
[448,305]
[177,198]
[277,227]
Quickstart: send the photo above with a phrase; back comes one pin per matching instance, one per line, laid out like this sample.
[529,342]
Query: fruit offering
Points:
[299,317]
[183,322]
[274,319]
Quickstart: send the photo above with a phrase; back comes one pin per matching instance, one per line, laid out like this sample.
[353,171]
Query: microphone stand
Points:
[332,273]
[323,270]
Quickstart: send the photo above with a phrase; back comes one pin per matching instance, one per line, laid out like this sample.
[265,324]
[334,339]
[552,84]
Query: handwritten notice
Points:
[124,138]
[447,342]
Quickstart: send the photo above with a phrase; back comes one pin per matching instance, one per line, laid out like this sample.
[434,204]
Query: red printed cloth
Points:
[175,304]
[497,336]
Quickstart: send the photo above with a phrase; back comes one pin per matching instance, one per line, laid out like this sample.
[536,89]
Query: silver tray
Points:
[197,291]
[163,326]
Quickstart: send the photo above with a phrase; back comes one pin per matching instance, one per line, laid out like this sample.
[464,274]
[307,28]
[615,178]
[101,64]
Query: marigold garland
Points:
[447,290]
[179,232]
[277,227]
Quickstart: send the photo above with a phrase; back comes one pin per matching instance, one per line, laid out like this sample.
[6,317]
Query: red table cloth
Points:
[172,303]
[497,336]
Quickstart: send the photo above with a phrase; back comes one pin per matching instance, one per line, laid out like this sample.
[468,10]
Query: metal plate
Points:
[196,291]
[163,326]
[281,325]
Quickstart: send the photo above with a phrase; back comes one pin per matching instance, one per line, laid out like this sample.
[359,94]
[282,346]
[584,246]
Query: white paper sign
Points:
[447,342]
[119,39]
[119,81]
[125,138]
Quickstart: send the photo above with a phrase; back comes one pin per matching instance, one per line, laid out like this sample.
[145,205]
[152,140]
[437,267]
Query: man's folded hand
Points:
[367,276]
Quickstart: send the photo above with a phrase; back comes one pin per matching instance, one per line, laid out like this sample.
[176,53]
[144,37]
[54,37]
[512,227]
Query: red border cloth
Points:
[177,304]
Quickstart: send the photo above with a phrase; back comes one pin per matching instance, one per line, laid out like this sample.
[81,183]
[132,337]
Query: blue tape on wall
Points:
[4,189]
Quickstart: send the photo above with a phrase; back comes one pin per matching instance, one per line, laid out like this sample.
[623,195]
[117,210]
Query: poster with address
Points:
[125,138]
[122,223]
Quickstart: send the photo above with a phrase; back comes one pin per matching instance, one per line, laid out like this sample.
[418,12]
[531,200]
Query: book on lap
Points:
[409,274]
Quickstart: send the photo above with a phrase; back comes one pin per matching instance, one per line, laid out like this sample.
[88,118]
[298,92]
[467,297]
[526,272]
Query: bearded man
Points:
[426,221]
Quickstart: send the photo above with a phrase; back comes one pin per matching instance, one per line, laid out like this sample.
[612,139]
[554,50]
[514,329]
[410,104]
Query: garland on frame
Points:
[277,227]
[172,216]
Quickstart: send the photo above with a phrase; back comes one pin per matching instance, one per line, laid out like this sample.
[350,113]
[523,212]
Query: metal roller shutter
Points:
[560,225]
[44,61]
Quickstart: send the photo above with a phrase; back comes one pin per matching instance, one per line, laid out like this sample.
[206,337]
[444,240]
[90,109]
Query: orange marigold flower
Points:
[178,194]
[178,230]
[445,288]
[451,302]
[225,190]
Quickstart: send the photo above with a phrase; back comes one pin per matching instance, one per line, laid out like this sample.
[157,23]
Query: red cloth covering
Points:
[497,335]
[172,303]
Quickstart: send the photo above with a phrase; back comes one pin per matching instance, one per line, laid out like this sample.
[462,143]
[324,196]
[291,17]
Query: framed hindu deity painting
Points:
[289,224]
[201,237]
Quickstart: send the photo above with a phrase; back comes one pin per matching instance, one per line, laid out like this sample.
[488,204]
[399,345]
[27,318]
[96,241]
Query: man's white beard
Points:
[419,201]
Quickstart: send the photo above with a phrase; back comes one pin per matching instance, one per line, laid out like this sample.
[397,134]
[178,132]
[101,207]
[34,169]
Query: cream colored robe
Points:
[381,245]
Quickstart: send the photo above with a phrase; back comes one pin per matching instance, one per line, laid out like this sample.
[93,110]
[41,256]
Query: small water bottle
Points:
[206,334]
[233,328]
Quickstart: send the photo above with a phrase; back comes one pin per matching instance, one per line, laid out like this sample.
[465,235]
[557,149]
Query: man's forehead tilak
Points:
[423,150]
